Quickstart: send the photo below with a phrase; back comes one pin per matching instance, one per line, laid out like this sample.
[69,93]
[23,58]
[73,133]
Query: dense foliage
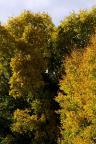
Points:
[34,57]
[78,106]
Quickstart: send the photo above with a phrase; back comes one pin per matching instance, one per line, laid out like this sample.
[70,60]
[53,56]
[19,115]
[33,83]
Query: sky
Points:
[57,9]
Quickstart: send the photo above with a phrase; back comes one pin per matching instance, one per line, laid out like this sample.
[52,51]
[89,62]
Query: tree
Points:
[74,33]
[29,64]
[7,45]
[77,97]
[32,51]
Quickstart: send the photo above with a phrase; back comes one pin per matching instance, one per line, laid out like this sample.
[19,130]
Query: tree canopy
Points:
[47,79]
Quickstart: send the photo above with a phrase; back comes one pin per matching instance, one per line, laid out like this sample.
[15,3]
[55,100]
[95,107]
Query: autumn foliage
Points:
[78,104]
[47,79]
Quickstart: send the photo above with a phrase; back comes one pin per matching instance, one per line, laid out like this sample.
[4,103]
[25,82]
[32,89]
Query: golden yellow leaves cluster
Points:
[78,106]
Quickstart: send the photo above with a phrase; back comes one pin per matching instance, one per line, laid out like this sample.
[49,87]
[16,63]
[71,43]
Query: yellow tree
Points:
[77,97]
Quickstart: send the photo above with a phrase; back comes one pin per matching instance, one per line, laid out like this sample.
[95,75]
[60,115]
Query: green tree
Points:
[74,33]
[33,34]
[7,44]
